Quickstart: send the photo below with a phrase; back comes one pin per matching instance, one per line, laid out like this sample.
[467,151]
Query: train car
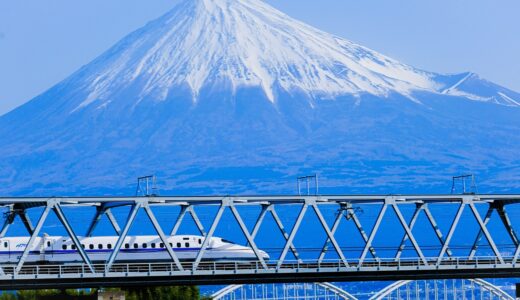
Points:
[61,249]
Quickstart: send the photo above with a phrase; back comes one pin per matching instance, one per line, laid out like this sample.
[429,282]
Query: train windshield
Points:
[227,241]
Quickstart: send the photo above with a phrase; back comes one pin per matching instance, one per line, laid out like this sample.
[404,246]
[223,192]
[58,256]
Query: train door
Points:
[45,248]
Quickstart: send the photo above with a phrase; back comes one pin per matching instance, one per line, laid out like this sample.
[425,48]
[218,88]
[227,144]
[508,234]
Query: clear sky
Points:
[42,42]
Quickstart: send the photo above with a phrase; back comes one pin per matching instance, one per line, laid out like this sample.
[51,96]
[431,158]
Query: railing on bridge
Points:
[336,258]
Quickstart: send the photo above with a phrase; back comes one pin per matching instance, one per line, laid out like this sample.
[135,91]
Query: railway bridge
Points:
[309,238]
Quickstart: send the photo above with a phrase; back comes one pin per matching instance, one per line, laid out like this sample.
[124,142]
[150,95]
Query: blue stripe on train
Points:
[50,252]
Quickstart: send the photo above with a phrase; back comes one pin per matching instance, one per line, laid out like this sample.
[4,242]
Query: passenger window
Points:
[187,245]
[48,244]
[91,246]
[73,247]
[83,246]
[136,246]
[171,245]
[64,247]
[100,246]
[5,244]
[161,245]
[127,246]
[153,245]
[178,245]
[200,241]
[109,246]
[145,245]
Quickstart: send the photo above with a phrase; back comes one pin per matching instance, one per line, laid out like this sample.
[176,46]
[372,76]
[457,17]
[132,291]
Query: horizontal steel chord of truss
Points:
[304,204]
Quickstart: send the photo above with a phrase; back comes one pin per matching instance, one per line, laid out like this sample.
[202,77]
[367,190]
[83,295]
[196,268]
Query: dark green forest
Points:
[153,293]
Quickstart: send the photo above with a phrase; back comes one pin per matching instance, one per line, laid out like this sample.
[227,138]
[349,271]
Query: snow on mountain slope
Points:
[233,96]
[247,43]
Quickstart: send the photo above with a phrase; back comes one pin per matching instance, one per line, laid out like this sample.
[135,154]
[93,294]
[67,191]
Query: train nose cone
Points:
[264,255]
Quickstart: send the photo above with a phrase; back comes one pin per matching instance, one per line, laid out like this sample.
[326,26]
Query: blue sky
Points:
[42,42]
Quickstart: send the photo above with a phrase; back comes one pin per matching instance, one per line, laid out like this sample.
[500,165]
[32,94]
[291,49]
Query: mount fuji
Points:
[233,96]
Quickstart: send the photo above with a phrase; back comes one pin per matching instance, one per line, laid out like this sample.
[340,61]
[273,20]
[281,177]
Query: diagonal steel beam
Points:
[330,235]
[187,209]
[279,223]
[362,232]
[245,231]
[94,222]
[113,221]
[33,237]
[411,225]
[409,233]
[5,227]
[9,219]
[61,216]
[196,219]
[436,228]
[178,222]
[129,221]
[480,233]
[100,211]
[451,232]
[208,237]
[335,226]
[373,234]
[160,232]
[26,221]
[292,235]
[259,221]
[516,255]
[486,232]
[502,213]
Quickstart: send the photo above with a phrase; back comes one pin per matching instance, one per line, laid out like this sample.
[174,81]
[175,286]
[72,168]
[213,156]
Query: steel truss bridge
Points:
[333,262]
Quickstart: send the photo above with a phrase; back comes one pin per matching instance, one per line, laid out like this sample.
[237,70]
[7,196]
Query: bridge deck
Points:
[132,274]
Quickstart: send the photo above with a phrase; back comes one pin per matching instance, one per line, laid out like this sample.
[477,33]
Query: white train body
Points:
[61,249]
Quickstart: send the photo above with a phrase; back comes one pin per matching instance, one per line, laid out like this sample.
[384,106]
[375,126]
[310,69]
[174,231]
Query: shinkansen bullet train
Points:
[60,249]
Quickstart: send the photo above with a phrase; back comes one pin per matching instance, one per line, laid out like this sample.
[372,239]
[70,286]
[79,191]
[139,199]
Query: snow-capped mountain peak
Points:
[243,43]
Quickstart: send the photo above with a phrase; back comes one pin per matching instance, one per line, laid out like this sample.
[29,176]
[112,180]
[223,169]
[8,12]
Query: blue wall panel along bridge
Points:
[318,238]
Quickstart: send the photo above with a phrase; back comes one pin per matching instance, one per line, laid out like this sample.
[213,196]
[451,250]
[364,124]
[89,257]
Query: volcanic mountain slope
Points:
[233,96]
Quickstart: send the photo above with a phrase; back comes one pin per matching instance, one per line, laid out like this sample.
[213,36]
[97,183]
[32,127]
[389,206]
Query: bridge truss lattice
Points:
[290,263]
